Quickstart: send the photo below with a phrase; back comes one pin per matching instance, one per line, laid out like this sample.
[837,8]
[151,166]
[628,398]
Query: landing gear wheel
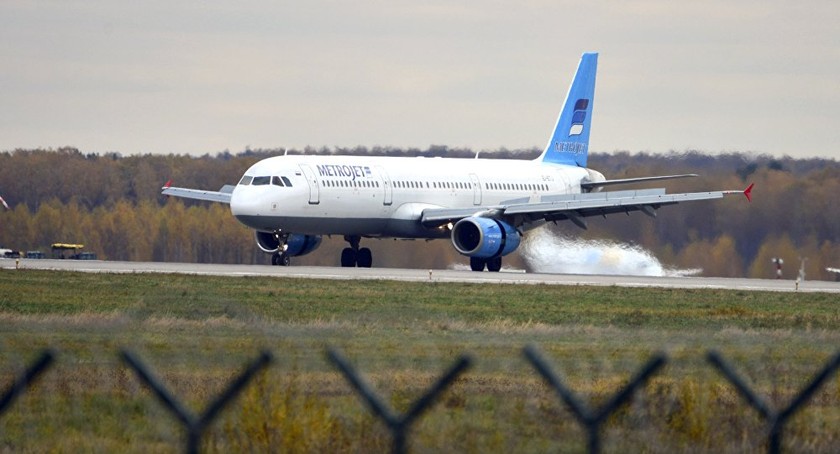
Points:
[477,264]
[353,256]
[348,258]
[494,265]
[364,258]
[281,260]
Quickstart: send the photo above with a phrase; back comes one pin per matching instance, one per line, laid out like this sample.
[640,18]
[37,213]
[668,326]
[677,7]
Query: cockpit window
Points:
[288,183]
[246,180]
[276,181]
[259,181]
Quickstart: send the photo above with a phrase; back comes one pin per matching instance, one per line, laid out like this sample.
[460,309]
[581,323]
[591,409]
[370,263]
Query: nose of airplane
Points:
[259,207]
[246,205]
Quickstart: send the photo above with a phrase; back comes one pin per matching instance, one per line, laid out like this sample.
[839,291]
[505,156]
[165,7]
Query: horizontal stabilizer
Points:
[598,184]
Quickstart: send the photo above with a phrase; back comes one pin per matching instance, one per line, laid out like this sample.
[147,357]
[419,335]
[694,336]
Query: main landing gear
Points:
[353,256]
[494,264]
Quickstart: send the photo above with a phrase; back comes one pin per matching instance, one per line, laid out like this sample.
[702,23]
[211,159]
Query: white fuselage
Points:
[385,196]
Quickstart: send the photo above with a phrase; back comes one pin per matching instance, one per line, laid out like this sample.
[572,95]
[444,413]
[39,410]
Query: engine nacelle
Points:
[296,245]
[484,237]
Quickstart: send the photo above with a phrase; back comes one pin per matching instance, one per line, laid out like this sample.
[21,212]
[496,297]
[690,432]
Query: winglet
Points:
[748,192]
[166,186]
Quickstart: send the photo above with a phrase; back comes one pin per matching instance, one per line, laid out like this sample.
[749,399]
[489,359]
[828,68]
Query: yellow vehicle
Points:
[60,249]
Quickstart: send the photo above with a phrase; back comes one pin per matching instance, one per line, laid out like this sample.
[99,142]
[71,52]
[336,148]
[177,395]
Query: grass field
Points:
[197,332]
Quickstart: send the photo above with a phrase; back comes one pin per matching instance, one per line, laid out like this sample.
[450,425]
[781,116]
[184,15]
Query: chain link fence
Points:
[591,417]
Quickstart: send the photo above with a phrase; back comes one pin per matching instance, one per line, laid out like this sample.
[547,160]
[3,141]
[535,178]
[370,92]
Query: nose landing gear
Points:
[280,257]
[353,256]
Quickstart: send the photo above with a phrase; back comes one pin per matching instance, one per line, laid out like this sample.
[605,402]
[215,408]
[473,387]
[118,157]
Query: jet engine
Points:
[296,245]
[484,237]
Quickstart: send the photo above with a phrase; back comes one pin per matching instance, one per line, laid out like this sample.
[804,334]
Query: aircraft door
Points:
[312,180]
[387,198]
[476,189]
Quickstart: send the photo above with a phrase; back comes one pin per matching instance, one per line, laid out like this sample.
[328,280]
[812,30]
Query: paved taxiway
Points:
[95,266]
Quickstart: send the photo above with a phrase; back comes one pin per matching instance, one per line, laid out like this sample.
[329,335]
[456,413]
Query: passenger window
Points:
[261,181]
[246,180]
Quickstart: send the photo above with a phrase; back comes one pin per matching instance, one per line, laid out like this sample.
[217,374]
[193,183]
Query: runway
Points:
[415,275]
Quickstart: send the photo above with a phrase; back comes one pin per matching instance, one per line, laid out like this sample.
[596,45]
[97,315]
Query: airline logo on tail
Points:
[569,143]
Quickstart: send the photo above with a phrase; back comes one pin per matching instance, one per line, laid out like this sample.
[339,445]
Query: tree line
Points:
[112,204]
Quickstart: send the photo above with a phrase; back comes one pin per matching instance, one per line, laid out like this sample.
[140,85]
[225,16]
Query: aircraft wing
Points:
[221,196]
[575,207]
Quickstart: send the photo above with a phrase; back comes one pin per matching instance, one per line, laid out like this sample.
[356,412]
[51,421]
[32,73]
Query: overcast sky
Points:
[206,76]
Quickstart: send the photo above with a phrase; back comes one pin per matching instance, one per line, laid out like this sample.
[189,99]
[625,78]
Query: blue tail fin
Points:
[569,143]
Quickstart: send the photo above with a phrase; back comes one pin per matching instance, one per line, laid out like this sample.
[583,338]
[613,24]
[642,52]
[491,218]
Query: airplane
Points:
[484,206]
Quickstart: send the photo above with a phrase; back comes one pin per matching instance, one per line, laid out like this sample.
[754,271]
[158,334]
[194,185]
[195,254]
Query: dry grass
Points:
[197,333]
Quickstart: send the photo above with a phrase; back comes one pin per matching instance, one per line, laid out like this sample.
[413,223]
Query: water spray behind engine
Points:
[546,252]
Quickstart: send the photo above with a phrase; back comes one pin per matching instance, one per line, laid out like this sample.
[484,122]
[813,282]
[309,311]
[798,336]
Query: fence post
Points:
[28,376]
[398,425]
[589,418]
[195,425]
[775,419]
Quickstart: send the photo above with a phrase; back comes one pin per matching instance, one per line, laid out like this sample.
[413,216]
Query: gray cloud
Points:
[206,76]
